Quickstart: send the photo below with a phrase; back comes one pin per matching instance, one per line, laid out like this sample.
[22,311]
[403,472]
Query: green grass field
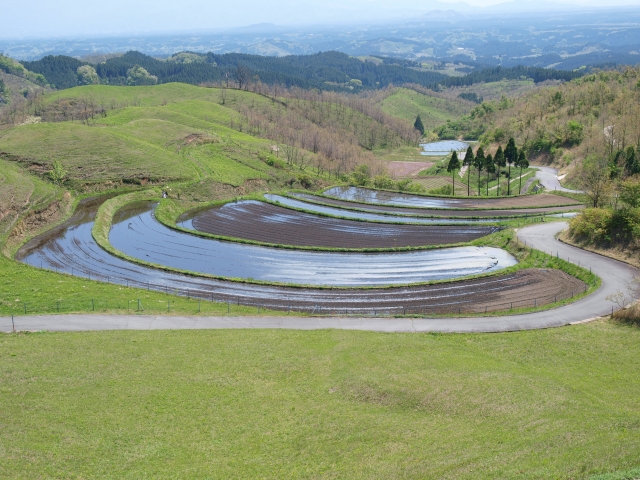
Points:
[434,111]
[495,90]
[559,403]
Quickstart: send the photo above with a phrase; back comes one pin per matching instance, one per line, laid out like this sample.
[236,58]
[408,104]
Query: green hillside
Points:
[187,139]
[434,111]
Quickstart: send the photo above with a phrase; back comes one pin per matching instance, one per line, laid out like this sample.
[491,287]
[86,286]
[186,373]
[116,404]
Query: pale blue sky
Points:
[41,18]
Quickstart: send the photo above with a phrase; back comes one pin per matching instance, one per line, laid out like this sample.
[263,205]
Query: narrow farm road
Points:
[549,179]
[615,277]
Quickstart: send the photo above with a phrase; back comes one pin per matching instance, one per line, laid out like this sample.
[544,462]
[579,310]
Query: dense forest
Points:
[514,73]
[325,71]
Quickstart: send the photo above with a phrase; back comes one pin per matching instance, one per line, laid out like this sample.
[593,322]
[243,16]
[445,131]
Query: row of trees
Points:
[492,164]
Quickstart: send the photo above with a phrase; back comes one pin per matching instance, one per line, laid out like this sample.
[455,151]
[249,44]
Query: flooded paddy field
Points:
[70,248]
[372,217]
[268,223]
[475,212]
[138,234]
[365,195]
[442,148]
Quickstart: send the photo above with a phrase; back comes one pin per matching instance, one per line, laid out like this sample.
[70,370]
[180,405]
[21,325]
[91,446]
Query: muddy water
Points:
[138,234]
[313,207]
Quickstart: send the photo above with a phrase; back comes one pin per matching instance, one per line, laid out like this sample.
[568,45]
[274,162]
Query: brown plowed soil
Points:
[444,212]
[524,288]
[268,223]
[407,169]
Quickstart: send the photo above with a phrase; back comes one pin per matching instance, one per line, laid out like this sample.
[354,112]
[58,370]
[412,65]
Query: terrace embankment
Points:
[268,223]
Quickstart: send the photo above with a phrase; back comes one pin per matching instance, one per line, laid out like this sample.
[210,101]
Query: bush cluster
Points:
[605,226]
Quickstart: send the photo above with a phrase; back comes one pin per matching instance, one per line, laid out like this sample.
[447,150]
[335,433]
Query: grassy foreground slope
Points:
[247,404]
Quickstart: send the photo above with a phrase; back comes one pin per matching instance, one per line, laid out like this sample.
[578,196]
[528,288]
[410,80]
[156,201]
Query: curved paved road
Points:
[549,179]
[615,276]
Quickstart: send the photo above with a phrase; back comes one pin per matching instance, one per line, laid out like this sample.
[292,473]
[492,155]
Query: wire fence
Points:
[209,302]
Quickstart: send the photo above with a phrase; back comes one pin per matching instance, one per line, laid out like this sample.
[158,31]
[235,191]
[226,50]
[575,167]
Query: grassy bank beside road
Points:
[559,403]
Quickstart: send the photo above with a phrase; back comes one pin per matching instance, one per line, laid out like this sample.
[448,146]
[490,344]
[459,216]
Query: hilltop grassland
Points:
[329,133]
[433,110]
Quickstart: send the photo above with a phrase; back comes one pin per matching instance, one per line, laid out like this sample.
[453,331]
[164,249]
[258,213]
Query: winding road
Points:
[548,177]
[615,277]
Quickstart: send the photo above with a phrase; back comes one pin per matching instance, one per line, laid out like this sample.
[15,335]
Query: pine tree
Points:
[491,168]
[468,161]
[511,156]
[418,125]
[453,167]
[631,163]
[479,163]
[500,162]
[522,163]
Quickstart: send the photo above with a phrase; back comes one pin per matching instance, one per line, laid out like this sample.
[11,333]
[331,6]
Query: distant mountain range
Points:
[540,34]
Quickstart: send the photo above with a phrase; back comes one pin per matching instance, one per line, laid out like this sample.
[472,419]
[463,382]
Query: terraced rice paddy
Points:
[397,211]
[136,233]
[395,281]
[72,249]
[370,217]
[263,222]
[365,195]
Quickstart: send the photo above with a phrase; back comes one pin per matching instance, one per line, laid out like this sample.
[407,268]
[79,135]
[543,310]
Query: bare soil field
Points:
[434,211]
[268,223]
[407,169]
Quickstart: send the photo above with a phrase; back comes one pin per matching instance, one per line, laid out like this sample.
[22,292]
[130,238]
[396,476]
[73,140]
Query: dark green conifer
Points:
[418,125]
[453,167]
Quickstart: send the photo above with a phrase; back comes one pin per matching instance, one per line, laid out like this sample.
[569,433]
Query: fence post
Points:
[13,325]
[138,304]
[93,305]
[168,305]
[535,302]
[198,305]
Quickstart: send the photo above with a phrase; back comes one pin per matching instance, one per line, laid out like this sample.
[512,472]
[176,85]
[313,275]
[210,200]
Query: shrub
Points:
[604,226]
[361,175]
[443,190]
[305,180]
[630,316]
